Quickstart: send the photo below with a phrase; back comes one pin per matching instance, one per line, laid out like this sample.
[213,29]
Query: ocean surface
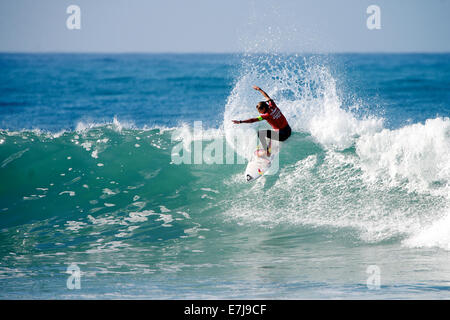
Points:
[95,202]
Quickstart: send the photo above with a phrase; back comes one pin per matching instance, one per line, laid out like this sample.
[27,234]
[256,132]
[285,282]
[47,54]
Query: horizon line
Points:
[222,53]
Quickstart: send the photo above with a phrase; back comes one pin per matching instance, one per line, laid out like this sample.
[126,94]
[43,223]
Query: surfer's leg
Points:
[262,135]
[273,135]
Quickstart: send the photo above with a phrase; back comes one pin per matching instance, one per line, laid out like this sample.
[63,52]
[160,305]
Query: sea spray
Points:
[306,93]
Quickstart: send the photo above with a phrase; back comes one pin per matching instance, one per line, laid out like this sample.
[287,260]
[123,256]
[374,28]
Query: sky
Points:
[224,26]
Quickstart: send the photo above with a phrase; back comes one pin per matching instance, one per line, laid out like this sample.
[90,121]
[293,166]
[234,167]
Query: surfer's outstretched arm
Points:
[246,121]
[262,92]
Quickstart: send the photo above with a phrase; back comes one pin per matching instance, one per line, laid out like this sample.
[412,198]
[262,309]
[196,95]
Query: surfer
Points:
[269,111]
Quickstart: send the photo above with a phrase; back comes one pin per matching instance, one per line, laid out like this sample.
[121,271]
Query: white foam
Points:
[417,156]
[108,192]
[87,146]
[209,189]
[115,124]
[13,157]
[139,216]
[107,220]
[70,193]
[435,235]
[166,218]
[74,225]
[164,209]
[333,192]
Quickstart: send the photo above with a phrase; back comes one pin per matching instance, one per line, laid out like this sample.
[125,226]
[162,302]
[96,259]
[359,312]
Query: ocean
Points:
[121,177]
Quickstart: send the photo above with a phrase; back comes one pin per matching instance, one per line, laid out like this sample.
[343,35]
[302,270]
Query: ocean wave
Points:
[341,169]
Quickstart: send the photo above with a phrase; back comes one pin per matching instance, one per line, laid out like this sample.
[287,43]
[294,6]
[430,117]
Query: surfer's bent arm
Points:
[262,92]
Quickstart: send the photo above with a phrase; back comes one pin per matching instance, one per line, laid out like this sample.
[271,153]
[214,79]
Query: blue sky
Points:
[224,26]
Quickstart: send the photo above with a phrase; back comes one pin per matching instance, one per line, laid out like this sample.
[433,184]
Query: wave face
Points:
[110,195]
[387,184]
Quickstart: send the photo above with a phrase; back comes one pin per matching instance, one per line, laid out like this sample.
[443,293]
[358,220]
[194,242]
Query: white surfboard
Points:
[260,163]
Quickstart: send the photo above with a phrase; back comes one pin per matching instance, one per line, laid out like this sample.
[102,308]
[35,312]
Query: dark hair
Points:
[262,106]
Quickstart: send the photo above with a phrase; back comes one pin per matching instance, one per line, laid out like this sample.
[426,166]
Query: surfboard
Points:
[260,163]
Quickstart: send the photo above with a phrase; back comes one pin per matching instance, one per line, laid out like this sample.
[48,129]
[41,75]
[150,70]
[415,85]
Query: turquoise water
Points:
[89,176]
